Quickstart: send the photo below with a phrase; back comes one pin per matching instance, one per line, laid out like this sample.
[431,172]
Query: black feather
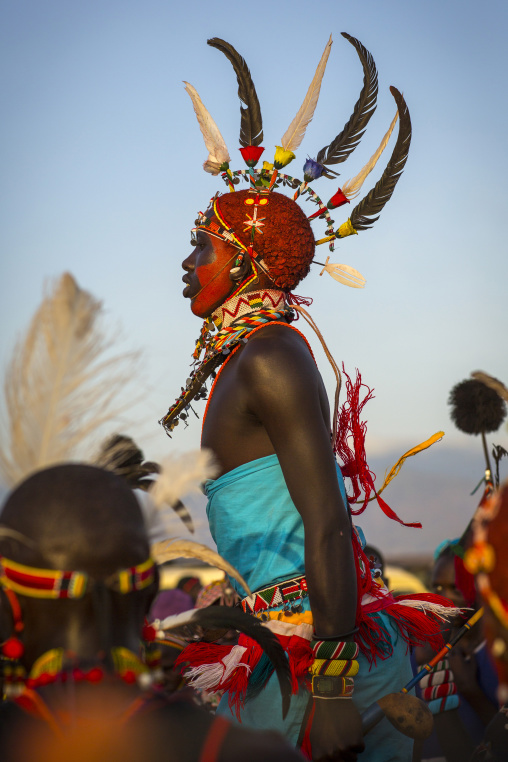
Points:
[476,408]
[122,455]
[345,143]
[374,201]
[251,123]
[215,617]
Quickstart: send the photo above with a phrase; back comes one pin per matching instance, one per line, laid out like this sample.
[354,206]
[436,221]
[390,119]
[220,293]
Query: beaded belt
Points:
[284,594]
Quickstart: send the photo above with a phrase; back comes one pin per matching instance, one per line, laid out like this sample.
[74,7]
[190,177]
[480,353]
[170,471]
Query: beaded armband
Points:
[333,668]
[439,689]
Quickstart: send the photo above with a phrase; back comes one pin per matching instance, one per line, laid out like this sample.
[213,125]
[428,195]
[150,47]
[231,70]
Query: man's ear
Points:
[241,268]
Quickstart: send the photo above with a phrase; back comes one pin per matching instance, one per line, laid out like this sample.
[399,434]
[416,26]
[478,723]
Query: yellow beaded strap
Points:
[335,667]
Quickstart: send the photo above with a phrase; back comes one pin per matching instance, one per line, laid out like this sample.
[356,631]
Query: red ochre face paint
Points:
[207,273]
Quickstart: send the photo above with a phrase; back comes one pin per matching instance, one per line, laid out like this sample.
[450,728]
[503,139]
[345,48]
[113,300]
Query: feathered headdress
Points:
[269,177]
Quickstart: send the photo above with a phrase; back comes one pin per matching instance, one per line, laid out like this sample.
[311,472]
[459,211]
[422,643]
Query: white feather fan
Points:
[61,385]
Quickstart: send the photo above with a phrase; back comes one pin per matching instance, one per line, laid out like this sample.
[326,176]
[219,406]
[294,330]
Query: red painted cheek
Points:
[214,287]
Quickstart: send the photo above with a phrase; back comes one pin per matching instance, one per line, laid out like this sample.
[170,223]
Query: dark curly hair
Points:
[286,243]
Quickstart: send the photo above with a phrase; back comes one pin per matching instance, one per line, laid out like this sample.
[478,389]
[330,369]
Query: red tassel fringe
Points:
[349,446]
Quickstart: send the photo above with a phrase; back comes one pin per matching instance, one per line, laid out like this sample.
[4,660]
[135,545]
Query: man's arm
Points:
[285,394]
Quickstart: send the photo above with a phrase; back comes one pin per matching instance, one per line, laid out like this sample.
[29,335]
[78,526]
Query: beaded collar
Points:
[58,665]
[220,334]
[244,304]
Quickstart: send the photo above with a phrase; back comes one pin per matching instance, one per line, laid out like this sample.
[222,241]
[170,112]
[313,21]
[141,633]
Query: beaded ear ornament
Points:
[268,178]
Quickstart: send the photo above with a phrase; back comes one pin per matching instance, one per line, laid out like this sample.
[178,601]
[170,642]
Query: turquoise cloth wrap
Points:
[258,529]
[255,523]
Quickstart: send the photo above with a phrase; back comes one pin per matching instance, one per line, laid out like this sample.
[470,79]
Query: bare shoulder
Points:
[276,349]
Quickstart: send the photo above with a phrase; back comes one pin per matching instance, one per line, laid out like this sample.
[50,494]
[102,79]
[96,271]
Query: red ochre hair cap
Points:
[286,243]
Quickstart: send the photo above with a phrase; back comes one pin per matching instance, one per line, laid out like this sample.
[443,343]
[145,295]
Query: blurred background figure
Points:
[191,586]
[473,674]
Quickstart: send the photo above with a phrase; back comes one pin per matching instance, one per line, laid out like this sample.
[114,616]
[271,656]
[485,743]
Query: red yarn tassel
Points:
[350,442]
[349,446]
[298,300]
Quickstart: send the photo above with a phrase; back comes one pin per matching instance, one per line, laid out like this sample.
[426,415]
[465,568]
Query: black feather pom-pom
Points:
[476,408]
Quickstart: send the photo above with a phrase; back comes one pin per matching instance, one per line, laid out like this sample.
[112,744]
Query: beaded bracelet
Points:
[329,649]
[439,689]
[334,667]
[437,678]
[331,687]
[437,706]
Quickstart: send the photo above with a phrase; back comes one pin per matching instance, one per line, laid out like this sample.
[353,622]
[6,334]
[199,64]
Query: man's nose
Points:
[188,263]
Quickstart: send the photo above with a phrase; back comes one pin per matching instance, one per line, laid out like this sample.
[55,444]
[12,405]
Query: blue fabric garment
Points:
[382,744]
[258,529]
[255,523]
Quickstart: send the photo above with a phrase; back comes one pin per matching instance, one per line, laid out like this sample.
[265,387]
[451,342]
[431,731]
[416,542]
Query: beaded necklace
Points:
[224,330]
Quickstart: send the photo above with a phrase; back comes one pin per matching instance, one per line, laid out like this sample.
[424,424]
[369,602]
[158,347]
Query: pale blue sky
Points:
[100,174]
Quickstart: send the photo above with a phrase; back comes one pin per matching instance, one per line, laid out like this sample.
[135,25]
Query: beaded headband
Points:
[53,583]
[263,181]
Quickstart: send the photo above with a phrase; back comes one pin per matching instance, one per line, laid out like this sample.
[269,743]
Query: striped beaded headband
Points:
[55,583]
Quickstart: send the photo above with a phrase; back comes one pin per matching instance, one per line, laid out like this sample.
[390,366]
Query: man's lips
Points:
[187,288]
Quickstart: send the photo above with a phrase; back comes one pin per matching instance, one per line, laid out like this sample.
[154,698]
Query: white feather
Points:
[344,274]
[61,385]
[182,474]
[296,130]
[171,549]
[214,142]
[351,188]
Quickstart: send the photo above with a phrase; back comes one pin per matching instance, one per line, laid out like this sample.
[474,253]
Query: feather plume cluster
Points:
[217,150]
[296,130]
[183,474]
[362,215]
[122,456]
[351,188]
[476,408]
[251,122]
[61,385]
[345,143]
